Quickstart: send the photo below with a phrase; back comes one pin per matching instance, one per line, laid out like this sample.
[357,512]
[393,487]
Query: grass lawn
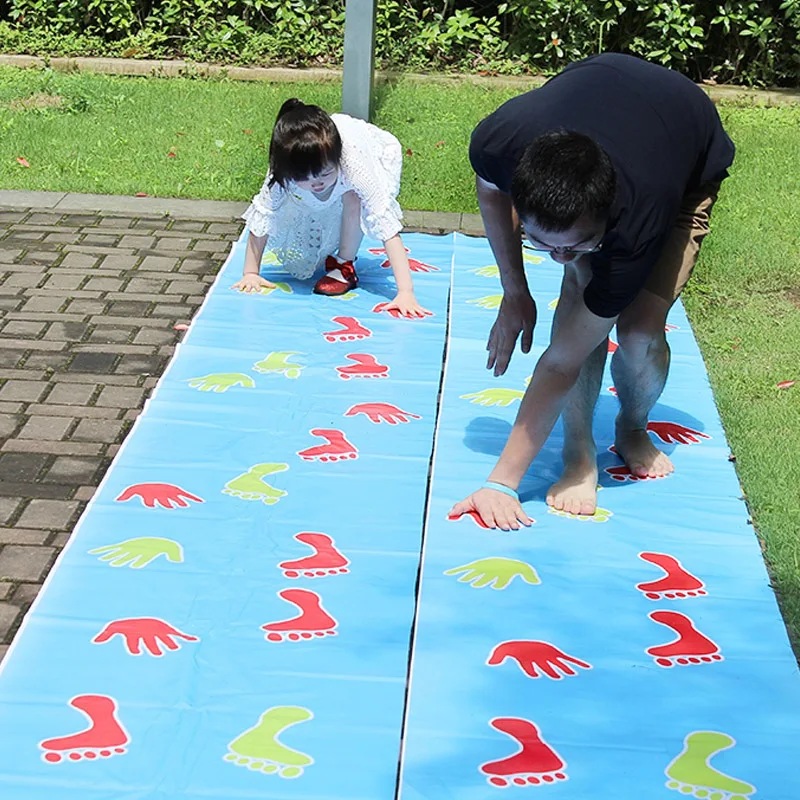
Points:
[115,135]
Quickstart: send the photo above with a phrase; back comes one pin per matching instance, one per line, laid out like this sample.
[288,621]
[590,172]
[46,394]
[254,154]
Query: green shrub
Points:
[752,42]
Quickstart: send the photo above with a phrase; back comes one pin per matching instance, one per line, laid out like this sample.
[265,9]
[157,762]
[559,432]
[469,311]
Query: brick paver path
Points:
[87,307]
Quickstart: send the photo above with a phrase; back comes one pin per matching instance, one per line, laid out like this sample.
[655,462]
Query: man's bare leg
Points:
[639,367]
[576,490]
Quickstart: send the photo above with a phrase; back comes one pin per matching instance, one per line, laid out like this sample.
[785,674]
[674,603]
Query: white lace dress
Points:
[303,230]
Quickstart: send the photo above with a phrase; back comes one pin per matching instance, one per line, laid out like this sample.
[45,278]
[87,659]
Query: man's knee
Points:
[640,341]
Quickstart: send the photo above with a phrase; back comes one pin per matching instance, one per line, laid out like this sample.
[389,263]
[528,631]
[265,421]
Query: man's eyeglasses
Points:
[562,250]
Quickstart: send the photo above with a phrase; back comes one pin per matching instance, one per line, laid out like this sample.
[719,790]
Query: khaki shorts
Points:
[675,266]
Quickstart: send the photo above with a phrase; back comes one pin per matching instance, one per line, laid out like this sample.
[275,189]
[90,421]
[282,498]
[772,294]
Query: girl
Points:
[331,179]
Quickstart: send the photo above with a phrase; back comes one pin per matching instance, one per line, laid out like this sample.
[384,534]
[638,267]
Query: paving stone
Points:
[25,594]
[32,344]
[9,423]
[171,310]
[40,258]
[48,514]
[155,336]
[156,223]
[23,280]
[5,589]
[79,220]
[11,303]
[98,430]
[149,285]
[45,302]
[233,228]
[91,412]
[172,243]
[99,240]
[211,246]
[115,222]
[51,429]
[137,242]
[56,448]
[111,334]
[158,263]
[8,254]
[60,540]
[199,266]
[21,467]
[12,408]
[119,397]
[20,328]
[50,361]
[67,331]
[62,237]
[80,260]
[194,226]
[26,391]
[119,261]
[37,490]
[8,507]
[12,217]
[126,308]
[87,306]
[183,287]
[8,620]
[139,365]
[24,536]
[93,362]
[24,563]
[104,284]
[39,218]
[76,470]
[64,281]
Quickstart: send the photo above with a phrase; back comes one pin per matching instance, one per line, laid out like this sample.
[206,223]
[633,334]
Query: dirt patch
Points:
[793,295]
[38,100]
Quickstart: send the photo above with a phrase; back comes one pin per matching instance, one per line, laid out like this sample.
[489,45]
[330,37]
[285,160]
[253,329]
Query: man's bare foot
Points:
[640,455]
[576,491]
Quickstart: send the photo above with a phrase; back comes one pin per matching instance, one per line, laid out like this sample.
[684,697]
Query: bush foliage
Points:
[756,42]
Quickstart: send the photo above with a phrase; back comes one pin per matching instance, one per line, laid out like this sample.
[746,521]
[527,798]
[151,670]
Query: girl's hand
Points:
[252,282]
[407,305]
[496,509]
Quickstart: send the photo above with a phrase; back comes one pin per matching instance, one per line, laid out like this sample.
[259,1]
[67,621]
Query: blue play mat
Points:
[266,598]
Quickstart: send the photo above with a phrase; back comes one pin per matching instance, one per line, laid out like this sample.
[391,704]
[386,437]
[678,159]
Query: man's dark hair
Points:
[561,177]
[304,141]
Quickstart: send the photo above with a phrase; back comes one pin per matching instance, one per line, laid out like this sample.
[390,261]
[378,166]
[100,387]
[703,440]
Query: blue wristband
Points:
[499,487]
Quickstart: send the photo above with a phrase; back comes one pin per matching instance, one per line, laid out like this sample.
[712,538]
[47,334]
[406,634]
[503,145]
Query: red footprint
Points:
[327,560]
[534,764]
[622,473]
[691,647]
[476,518]
[366,366]
[337,448]
[351,330]
[104,737]
[612,345]
[677,584]
[312,620]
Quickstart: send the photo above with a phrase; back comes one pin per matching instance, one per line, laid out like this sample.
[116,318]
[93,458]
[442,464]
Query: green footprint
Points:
[600,515]
[690,773]
[277,363]
[252,486]
[258,747]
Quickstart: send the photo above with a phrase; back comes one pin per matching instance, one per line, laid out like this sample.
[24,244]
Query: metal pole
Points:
[359,57]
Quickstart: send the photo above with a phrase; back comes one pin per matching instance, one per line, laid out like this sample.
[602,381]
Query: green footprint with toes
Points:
[259,749]
[251,485]
[278,363]
[691,774]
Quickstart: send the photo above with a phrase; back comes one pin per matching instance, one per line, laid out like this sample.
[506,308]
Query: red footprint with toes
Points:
[366,366]
[326,560]
[677,584]
[351,330]
[622,473]
[312,621]
[535,764]
[474,515]
[690,648]
[104,737]
[336,449]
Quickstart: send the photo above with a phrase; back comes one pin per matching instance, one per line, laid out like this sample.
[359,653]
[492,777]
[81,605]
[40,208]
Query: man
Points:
[612,168]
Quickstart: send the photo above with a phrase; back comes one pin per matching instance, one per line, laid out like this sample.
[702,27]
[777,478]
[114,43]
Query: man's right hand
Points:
[253,282]
[517,315]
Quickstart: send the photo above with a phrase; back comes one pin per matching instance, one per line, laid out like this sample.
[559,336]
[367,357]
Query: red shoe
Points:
[331,286]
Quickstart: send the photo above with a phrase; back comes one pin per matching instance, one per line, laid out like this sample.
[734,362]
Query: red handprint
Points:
[351,329]
[670,432]
[413,264]
[381,412]
[476,518]
[533,656]
[366,366]
[336,449]
[393,312]
[613,390]
[670,327]
[381,251]
[147,631]
[166,495]
[612,345]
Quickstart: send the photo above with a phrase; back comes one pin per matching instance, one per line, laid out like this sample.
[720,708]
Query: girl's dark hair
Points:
[562,176]
[304,142]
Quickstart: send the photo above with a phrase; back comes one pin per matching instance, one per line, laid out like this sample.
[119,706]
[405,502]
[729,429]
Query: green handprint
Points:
[490,271]
[278,363]
[496,572]
[221,382]
[552,304]
[252,486]
[268,290]
[138,553]
[493,397]
[600,515]
[491,301]
[345,296]
[530,257]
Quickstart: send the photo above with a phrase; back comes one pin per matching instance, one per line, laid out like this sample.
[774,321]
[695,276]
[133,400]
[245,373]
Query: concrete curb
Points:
[739,95]
[436,222]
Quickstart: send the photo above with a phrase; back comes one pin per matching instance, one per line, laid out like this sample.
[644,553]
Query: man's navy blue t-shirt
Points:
[662,133]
